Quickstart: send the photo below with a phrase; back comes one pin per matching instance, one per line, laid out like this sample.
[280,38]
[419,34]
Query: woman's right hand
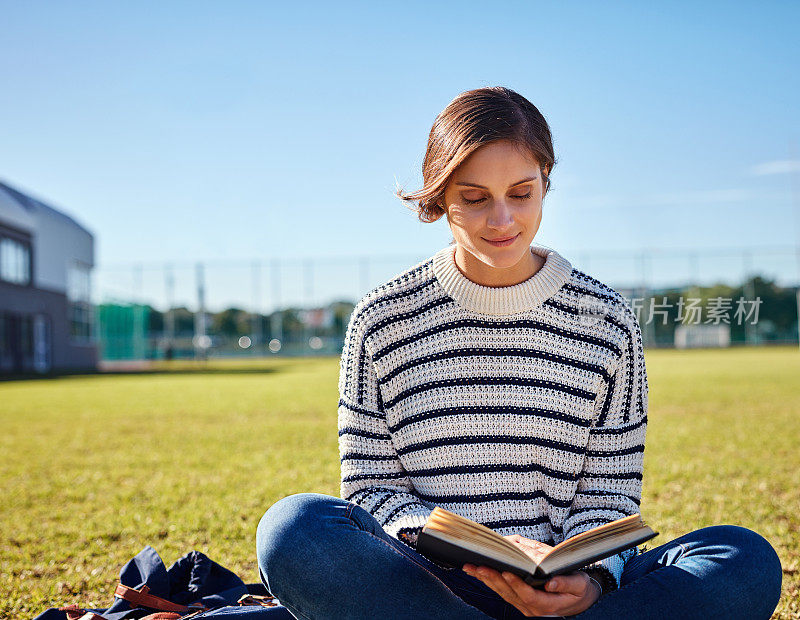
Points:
[565,595]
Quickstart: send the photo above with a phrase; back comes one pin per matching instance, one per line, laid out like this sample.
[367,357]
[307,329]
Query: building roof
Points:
[37,207]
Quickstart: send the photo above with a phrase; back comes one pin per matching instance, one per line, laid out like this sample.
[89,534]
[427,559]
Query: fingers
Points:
[533,552]
[564,594]
[575,583]
[514,590]
[495,581]
[529,595]
[522,541]
[534,549]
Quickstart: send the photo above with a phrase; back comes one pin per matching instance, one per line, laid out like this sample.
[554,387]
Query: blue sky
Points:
[184,131]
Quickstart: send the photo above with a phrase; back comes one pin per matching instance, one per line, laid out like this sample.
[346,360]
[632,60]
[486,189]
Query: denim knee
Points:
[761,566]
[287,522]
[756,550]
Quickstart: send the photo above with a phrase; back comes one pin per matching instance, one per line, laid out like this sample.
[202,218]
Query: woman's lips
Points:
[500,244]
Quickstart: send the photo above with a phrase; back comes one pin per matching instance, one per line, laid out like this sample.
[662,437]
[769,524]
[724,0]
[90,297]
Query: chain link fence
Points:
[282,306]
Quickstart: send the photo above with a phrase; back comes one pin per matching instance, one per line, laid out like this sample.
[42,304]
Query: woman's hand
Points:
[564,595]
[532,548]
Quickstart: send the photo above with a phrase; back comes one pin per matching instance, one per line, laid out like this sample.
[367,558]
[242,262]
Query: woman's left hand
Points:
[564,595]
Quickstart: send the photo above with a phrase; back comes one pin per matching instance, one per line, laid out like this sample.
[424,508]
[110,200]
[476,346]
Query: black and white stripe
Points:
[530,421]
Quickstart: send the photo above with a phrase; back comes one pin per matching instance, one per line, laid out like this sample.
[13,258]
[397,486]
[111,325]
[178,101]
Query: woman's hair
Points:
[475,118]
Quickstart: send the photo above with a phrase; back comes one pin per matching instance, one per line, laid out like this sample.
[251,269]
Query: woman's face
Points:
[496,194]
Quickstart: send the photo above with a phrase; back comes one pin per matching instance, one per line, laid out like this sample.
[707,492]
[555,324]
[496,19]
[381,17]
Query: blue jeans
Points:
[324,557]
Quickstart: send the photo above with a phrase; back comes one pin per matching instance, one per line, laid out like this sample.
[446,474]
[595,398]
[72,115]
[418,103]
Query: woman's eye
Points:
[474,200]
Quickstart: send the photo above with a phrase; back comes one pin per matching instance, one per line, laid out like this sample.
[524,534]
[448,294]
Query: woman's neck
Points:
[479,272]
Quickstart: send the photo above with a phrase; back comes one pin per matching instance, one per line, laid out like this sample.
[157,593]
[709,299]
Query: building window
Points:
[15,261]
[26,333]
[79,298]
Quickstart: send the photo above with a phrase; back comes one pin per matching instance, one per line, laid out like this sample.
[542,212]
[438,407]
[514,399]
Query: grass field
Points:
[95,467]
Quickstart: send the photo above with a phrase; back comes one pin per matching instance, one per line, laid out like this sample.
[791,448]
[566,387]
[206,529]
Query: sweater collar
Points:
[502,300]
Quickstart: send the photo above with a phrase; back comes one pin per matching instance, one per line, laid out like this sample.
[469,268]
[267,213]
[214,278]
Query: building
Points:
[46,261]
[707,336]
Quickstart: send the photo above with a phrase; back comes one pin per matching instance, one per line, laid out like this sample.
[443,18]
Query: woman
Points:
[478,381]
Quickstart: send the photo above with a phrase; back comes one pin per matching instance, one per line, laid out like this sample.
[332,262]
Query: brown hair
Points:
[475,118]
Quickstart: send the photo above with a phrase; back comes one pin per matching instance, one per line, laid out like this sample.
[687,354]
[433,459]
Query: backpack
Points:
[193,587]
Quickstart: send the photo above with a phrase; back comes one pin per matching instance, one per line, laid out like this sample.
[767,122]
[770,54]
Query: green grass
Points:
[96,467]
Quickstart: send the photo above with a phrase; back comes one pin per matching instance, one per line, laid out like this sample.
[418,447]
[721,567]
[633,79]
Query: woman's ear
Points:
[440,204]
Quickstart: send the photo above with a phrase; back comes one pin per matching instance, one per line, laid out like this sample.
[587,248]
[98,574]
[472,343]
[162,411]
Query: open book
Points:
[454,540]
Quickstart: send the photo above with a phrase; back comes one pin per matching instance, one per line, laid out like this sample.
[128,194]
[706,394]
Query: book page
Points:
[613,528]
[520,561]
[458,527]
[594,550]
[604,540]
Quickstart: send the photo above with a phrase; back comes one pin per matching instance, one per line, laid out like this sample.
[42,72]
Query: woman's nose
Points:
[500,215]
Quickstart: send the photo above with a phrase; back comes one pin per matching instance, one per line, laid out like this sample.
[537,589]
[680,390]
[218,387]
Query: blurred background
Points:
[189,180]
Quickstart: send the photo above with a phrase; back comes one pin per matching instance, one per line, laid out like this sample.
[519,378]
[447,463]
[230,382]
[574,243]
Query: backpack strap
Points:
[142,598]
[255,599]
[76,612]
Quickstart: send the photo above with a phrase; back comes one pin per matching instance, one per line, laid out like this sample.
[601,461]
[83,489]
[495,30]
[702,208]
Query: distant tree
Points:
[341,315]
[184,321]
[777,316]
[292,325]
[155,322]
[229,323]
[777,312]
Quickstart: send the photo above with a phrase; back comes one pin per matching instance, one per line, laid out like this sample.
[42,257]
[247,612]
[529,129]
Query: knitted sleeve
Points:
[610,485]
[372,475]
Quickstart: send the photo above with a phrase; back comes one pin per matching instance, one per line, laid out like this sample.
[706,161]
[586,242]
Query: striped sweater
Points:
[523,407]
